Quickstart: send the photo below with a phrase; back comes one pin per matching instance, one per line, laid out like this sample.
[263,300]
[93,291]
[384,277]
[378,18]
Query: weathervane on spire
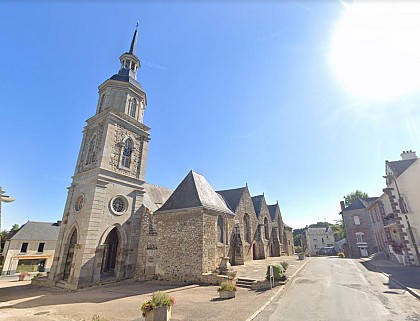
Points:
[134,41]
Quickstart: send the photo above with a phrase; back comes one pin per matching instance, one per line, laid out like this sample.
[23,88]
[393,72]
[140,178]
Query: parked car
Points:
[330,250]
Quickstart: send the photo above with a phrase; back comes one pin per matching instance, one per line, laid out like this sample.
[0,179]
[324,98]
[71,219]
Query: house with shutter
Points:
[402,220]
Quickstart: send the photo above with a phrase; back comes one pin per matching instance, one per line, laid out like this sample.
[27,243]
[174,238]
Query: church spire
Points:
[129,61]
[134,41]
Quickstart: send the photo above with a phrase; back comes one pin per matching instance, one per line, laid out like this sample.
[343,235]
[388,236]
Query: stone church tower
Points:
[99,234]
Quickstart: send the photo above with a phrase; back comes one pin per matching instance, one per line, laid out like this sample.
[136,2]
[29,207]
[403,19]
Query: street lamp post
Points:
[6,199]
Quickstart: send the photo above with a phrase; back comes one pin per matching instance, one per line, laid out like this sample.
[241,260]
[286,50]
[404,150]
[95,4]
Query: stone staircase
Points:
[245,283]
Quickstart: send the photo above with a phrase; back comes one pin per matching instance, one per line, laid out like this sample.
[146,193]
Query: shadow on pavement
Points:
[409,276]
[32,296]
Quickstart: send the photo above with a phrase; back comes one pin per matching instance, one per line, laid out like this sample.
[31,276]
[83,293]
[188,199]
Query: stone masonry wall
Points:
[179,245]
[245,206]
[365,226]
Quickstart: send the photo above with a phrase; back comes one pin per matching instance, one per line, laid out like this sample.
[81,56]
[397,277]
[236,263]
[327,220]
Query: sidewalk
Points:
[121,301]
[406,277]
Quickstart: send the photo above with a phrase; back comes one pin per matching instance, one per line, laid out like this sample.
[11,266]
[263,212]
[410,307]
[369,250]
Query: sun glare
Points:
[376,49]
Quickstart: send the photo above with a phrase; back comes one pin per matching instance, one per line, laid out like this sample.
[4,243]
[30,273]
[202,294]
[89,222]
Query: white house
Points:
[31,249]
[314,238]
[402,179]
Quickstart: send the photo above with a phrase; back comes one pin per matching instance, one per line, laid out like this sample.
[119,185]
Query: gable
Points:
[194,191]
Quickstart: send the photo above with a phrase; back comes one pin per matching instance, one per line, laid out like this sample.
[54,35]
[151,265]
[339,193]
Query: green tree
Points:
[339,231]
[297,234]
[7,235]
[350,198]
[321,224]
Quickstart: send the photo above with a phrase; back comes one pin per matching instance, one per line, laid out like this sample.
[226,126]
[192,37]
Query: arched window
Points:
[133,108]
[101,104]
[266,233]
[126,154]
[91,155]
[247,228]
[220,229]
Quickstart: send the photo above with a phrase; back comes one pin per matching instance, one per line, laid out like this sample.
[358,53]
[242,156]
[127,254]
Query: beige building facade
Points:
[402,190]
[31,249]
[315,238]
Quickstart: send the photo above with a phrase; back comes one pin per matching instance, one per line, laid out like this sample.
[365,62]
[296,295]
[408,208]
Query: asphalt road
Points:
[333,289]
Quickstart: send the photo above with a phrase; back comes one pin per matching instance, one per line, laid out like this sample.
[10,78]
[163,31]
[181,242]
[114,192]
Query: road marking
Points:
[252,317]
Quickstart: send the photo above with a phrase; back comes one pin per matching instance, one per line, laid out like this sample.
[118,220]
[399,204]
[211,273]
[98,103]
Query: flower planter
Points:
[23,277]
[159,314]
[227,294]
[301,256]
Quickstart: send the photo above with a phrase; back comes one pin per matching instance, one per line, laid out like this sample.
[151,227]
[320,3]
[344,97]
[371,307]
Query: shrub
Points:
[227,286]
[231,274]
[98,318]
[38,275]
[159,299]
[341,254]
[285,265]
[278,272]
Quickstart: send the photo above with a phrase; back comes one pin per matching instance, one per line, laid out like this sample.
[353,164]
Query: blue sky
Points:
[241,92]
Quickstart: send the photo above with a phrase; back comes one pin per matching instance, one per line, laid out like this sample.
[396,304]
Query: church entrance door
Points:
[110,257]
[70,255]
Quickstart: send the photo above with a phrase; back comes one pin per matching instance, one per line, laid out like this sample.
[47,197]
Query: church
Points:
[117,226]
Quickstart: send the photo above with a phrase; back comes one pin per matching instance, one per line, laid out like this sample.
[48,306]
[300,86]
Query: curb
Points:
[412,291]
[252,317]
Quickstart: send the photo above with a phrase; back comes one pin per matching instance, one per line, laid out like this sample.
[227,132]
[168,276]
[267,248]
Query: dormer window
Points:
[133,108]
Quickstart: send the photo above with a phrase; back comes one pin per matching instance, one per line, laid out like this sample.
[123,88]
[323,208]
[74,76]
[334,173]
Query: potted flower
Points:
[301,255]
[227,289]
[23,276]
[158,308]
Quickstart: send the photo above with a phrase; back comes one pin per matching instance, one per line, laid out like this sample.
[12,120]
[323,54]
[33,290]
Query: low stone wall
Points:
[213,279]
[265,285]
[42,281]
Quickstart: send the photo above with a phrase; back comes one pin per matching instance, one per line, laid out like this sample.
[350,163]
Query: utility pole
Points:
[6,199]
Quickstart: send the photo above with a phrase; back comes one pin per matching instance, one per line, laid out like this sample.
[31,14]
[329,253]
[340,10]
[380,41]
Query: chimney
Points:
[409,154]
[342,205]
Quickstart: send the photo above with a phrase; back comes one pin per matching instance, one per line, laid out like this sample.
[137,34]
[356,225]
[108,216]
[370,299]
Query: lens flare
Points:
[375,50]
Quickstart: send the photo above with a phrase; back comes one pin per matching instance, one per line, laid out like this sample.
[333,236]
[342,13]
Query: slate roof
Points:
[232,196]
[317,230]
[398,167]
[38,231]
[257,201]
[155,196]
[195,191]
[272,210]
[361,203]
[124,77]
